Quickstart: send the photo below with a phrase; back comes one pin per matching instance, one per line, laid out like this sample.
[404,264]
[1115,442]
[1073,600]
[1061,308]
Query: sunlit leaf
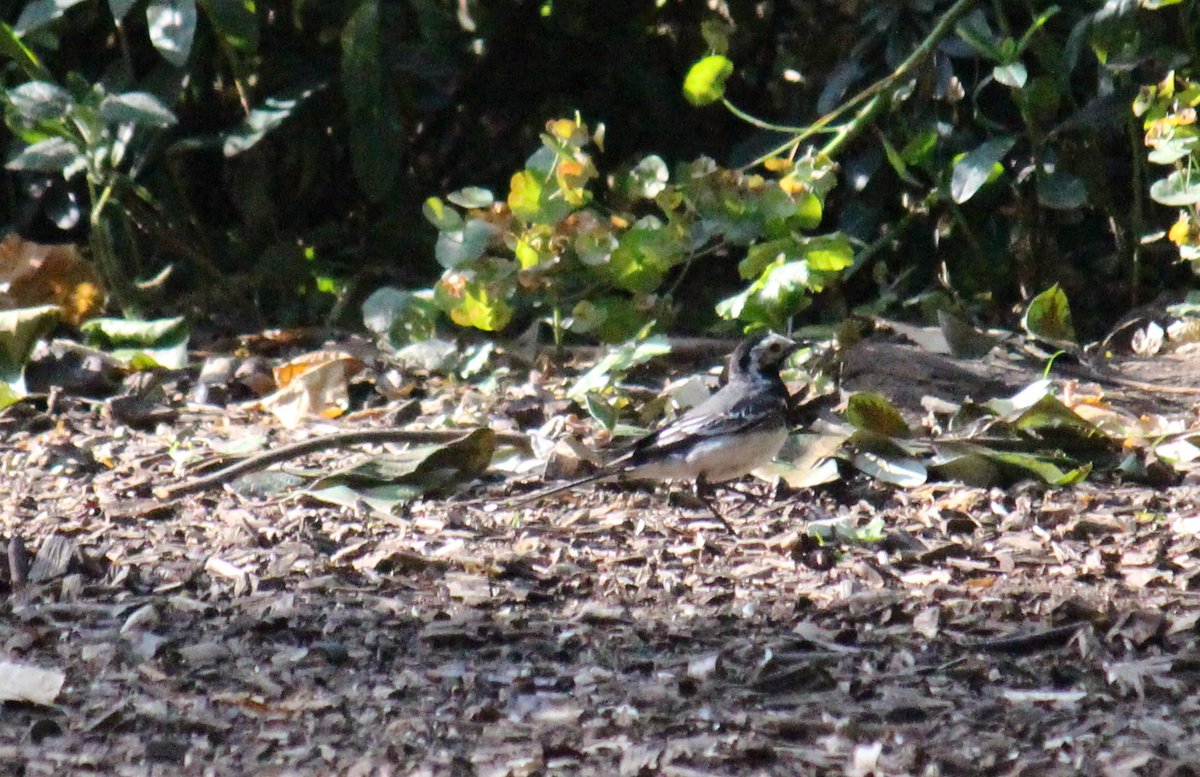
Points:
[14,49]
[872,412]
[52,155]
[471,197]
[172,26]
[479,305]
[903,472]
[141,344]
[1043,468]
[262,120]
[1176,190]
[828,253]
[1051,419]
[445,218]
[705,81]
[602,411]
[136,108]
[1049,316]
[39,13]
[401,316]
[40,100]
[429,470]
[616,361]
[20,330]
[464,245]
[1013,74]
[648,177]
[978,167]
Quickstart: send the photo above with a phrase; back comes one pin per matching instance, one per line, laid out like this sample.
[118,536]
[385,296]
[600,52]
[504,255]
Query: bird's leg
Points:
[703,490]
[750,495]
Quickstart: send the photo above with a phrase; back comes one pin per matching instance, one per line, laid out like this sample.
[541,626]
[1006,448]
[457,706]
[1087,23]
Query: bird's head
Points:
[764,354]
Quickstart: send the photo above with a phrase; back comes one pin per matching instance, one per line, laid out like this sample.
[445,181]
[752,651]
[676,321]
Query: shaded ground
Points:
[604,632]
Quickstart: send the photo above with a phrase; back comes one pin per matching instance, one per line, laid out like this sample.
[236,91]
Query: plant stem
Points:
[883,89]
[1135,210]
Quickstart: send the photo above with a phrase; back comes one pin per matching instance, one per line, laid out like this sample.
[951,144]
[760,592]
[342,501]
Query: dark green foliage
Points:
[279,154]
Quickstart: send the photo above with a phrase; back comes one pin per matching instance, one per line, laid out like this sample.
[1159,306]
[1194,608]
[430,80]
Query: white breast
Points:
[720,458]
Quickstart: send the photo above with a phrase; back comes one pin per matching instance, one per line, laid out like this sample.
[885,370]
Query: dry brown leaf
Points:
[34,274]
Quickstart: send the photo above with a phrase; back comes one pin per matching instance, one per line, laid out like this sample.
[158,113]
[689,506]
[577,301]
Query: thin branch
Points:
[315,444]
[886,87]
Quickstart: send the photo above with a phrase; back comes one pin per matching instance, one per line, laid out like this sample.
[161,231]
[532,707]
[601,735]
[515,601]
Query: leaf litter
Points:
[849,628]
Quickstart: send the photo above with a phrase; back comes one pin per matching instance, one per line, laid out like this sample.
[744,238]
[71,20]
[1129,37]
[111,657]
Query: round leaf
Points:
[1176,190]
[705,82]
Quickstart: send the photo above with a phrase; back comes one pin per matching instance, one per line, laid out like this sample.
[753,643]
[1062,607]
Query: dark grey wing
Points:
[737,407]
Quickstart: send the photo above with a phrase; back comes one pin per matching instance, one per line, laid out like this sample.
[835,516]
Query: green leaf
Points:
[648,177]
[120,332]
[172,26]
[780,292]
[1013,74]
[1044,468]
[761,255]
[896,160]
[611,318]
[828,253]
[705,81]
[40,101]
[602,411]
[1053,421]
[1171,150]
[39,13]
[464,245]
[897,471]
[472,197]
[975,31]
[643,256]
[1177,190]
[616,362]
[430,470]
[1061,191]
[480,305]
[445,218]
[978,167]
[873,413]
[20,331]
[809,210]
[525,195]
[262,120]
[136,108]
[12,48]
[1049,316]
[401,316]
[377,131]
[140,344]
[52,155]
[235,21]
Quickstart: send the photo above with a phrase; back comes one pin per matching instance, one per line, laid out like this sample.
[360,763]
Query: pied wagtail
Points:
[735,431]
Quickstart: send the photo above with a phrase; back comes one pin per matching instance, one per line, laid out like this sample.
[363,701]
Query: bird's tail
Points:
[552,490]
